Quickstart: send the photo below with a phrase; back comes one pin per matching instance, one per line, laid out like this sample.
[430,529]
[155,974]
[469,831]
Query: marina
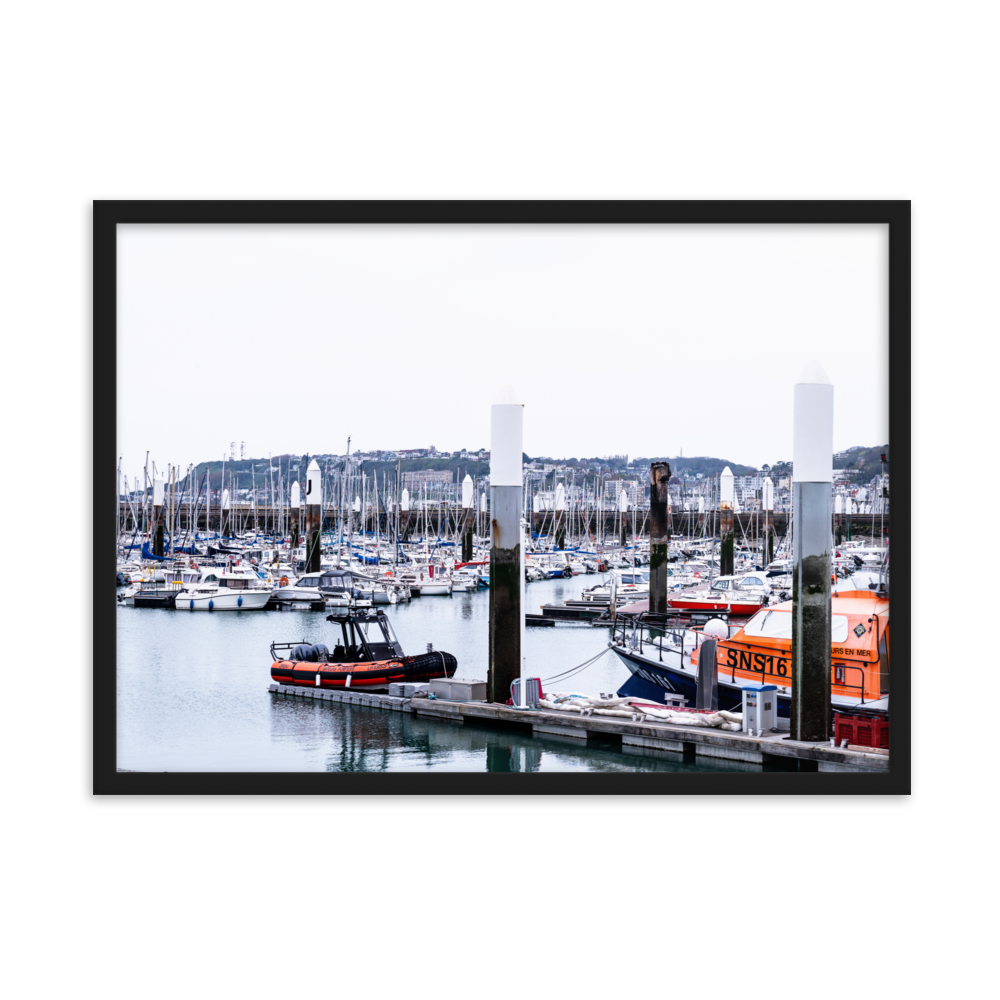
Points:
[669,650]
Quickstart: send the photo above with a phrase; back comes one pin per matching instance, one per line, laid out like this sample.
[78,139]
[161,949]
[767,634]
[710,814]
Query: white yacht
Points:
[462,581]
[220,589]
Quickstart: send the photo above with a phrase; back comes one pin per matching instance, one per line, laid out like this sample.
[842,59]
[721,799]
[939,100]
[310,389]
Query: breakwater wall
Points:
[605,528]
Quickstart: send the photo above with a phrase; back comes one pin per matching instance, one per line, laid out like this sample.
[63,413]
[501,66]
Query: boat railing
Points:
[632,627]
[843,683]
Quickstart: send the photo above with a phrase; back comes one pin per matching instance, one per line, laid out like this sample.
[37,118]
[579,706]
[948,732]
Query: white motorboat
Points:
[219,589]
[740,594]
[301,593]
[426,581]
[633,584]
[462,581]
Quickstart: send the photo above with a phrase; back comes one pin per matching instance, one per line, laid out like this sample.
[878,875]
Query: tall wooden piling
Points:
[726,536]
[659,536]
[812,464]
[314,516]
[506,430]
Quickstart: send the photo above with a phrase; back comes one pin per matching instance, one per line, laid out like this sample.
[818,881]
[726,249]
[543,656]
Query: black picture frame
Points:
[111,213]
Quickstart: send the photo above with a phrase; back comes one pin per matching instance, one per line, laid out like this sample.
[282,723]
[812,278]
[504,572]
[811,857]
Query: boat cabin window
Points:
[235,583]
[771,624]
[211,578]
[720,585]
[752,581]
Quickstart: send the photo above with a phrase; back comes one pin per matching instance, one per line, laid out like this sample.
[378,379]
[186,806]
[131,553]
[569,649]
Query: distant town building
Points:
[428,479]
[632,487]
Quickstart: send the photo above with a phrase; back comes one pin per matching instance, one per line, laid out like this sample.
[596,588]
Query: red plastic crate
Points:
[880,733]
[862,731]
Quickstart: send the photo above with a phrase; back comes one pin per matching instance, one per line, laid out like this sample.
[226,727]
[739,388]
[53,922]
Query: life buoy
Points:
[283,582]
[697,576]
[388,572]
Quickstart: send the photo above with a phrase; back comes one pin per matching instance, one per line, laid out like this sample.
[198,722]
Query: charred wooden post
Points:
[812,471]
[659,536]
[727,538]
[314,516]
[506,572]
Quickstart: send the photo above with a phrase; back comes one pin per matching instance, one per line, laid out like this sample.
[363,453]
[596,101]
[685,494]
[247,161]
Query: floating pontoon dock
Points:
[637,737]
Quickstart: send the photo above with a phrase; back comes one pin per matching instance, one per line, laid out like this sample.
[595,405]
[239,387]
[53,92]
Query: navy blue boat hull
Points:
[652,680]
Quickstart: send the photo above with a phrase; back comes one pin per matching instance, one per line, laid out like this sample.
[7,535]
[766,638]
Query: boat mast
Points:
[350,510]
[270,491]
[118,508]
[170,503]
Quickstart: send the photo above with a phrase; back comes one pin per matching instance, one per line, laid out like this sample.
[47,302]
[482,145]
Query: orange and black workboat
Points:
[366,653]
[761,651]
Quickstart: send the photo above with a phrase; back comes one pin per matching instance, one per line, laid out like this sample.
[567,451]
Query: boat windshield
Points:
[390,635]
[771,624]
[720,585]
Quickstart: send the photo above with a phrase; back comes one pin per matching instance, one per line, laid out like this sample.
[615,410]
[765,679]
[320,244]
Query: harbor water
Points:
[193,695]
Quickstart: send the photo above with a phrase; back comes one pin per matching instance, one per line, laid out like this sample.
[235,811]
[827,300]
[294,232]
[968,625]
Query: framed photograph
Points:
[502,497]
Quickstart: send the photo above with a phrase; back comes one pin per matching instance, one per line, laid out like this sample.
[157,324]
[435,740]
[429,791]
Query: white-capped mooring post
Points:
[506,548]
[158,484]
[314,516]
[727,495]
[295,504]
[659,536]
[768,503]
[468,517]
[812,476]
[559,515]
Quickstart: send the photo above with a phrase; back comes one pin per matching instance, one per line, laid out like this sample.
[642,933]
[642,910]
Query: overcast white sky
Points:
[637,339]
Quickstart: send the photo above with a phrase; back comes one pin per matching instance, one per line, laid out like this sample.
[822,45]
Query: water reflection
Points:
[355,738]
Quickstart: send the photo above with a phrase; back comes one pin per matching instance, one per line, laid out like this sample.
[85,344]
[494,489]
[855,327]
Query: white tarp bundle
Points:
[633,708]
